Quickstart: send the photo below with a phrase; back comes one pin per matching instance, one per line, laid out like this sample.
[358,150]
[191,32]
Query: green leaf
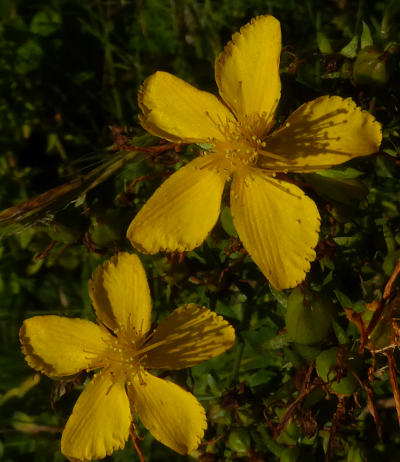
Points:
[341,173]
[227,222]
[45,22]
[343,299]
[366,38]
[239,440]
[344,191]
[29,57]
[350,50]
[6,7]
[346,241]
[323,43]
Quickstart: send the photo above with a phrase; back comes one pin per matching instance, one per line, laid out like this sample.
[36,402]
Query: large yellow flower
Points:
[276,222]
[121,347]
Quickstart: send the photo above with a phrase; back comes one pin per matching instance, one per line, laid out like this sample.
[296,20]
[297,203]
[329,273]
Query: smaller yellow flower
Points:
[277,223]
[120,347]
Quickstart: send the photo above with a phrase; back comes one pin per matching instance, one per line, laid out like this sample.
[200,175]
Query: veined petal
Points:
[183,210]
[278,225]
[121,295]
[61,346]
[171,414]
[188,336]
[324,132]
[100,421]
[247,71]
[177,111]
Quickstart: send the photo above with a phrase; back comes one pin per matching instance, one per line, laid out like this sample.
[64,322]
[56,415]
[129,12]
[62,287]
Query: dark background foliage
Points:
[69,76]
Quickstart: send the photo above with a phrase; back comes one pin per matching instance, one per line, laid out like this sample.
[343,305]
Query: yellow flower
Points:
[121,347]
[276,222]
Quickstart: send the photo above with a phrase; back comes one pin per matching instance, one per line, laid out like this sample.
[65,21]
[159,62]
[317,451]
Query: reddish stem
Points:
[134,441]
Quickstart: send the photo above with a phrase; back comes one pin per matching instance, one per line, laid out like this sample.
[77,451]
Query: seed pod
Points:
[329,368]
[370,68]
[308,316]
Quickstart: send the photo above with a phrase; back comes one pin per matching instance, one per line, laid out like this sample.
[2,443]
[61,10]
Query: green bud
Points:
[308,316]
[370,68]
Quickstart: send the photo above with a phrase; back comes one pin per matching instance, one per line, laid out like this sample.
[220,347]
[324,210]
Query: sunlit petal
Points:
[60,346]
[183,210]
[326,131]
[120,294]
[170,413]
[188,336]
[100,421]
[247,71]
[177,111]
[277,224]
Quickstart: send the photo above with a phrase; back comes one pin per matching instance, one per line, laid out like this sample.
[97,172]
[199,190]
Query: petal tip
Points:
[32,359]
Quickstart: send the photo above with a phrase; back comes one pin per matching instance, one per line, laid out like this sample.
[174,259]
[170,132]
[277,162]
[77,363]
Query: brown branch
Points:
[394,383]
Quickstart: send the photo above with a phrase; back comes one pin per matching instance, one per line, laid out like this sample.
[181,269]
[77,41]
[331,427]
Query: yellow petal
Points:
[247,71]
[121,295]
[171,414]
[326,131]
[61,346]
[100,421]
[277,224]
[188,336]
[183,210]
[174,110]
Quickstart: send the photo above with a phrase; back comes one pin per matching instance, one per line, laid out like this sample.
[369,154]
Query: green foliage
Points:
[70,71]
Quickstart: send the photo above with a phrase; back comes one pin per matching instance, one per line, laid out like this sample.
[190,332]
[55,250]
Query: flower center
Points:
[123,357]
[243,141]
